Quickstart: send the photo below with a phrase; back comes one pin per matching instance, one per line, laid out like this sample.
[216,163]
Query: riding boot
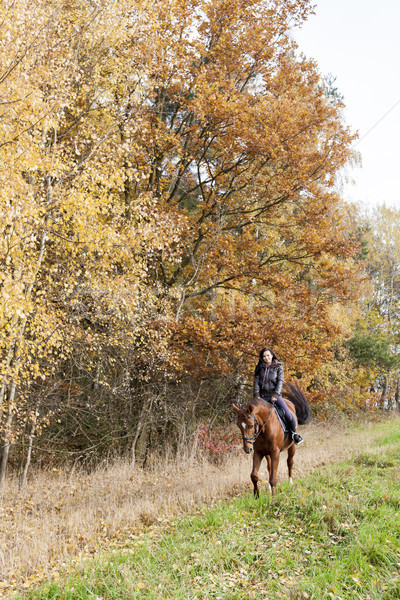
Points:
[290,420]
[296,437]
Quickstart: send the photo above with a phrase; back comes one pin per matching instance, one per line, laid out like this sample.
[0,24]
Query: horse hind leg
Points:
[290,460]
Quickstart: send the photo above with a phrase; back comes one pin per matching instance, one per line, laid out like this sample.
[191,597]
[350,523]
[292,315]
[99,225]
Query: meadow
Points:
[334,534]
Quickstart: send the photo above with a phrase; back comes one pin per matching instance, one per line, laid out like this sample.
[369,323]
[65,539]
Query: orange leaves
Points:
[167,190]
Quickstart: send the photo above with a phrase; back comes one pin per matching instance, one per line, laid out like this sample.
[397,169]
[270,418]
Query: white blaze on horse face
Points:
[244,426]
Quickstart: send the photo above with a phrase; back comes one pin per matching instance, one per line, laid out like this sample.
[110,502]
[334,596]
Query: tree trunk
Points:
[384,391]
[142,444]
[7,442]
[139,442]
[22,481]
[10,357]
[4,460]
[397,395]
[239,390]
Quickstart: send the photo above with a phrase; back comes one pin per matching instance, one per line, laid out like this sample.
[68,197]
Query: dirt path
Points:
[66,516]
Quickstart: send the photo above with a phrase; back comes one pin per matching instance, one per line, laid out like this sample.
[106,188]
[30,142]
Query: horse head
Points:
[248,425]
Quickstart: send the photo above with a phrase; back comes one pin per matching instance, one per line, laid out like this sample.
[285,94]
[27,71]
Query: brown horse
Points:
[262,431]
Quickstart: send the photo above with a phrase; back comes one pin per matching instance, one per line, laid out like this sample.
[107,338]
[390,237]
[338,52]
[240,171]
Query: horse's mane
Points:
[249,408]
[259,402]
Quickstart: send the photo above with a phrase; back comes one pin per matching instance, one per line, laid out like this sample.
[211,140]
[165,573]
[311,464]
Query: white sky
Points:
[358,41]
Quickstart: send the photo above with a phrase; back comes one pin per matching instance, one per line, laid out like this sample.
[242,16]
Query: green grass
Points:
[334,534]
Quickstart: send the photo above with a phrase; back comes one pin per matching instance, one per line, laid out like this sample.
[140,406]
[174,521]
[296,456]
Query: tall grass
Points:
[334,534]
[63,513]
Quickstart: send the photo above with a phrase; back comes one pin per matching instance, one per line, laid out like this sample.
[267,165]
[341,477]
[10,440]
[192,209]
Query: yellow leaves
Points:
[167,154]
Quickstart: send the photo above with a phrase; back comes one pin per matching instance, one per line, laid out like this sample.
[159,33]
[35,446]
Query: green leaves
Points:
[373,350]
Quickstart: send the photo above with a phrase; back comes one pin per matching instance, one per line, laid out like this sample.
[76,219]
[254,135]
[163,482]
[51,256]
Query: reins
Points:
[256,425]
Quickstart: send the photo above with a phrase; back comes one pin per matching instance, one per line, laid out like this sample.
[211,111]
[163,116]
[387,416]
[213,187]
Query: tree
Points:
[171,207]
[73,266]
[377,334]
[244,147]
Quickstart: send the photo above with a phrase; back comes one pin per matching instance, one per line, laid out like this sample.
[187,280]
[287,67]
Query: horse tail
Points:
[295,395]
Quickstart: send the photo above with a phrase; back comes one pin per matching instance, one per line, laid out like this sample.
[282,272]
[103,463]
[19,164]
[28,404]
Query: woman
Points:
[268,384]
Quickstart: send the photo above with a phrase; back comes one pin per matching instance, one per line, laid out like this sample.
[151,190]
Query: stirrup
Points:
[296,437]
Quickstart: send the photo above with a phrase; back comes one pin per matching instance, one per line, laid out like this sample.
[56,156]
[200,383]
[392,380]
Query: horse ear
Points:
[236,409]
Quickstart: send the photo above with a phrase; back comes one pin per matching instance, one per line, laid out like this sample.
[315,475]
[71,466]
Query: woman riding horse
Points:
[268,384]
[259,424]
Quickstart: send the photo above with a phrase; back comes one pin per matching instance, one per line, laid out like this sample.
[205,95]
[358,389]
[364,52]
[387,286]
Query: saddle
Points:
[280,413]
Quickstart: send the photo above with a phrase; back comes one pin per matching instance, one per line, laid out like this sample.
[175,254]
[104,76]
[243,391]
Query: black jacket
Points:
[268,381]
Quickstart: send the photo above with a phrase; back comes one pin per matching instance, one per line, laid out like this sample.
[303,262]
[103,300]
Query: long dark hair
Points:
[261,360]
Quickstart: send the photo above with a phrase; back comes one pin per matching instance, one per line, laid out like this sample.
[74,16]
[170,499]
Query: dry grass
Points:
[61,514]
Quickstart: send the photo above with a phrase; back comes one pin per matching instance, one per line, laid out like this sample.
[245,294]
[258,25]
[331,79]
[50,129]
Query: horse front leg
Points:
[290,459]
[273,476]
[257,458]
[269,471]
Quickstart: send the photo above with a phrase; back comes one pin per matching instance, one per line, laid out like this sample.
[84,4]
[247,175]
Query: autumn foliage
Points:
[168,207]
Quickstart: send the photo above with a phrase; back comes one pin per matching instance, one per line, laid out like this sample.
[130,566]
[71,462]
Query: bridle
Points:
[257,428]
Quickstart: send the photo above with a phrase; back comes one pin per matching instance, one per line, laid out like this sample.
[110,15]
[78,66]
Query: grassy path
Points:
[65,513]
[334,534]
